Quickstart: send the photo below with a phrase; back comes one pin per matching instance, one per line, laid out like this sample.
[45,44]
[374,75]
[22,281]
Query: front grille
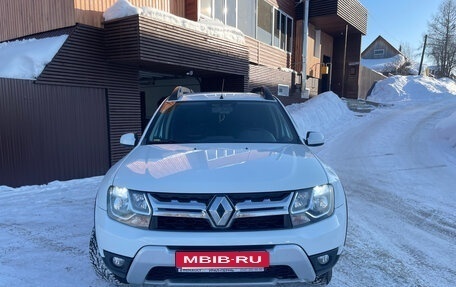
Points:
[205,212]
[262,223]
[171,273]
[181,224]
[206,198]
[241,224]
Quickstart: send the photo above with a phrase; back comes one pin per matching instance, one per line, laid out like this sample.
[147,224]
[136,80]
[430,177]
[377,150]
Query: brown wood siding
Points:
[177,7]
[266,55]
[269,77]
[323,8]
[50,132]
[122,38]
[24,17]
[354,13]
[167,44]
[367,80]
[351,11]
[82,62]
[265,76]
[191,9]
[90,12]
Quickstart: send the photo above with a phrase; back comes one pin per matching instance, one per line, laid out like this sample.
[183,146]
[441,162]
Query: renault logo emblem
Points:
[220,211]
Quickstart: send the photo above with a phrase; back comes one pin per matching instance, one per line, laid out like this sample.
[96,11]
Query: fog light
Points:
[323,259]
[118,262]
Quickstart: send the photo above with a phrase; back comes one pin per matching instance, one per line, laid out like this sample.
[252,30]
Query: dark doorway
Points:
[222,83]
[325,83]
[157,86]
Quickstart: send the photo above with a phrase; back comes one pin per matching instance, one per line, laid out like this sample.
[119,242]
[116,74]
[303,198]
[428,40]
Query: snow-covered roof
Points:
[211,27]
[384,65]
[26,59]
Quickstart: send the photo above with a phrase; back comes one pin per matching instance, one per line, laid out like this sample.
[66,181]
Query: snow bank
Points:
[320,113]
[408,88]
[26,59]
[215,28]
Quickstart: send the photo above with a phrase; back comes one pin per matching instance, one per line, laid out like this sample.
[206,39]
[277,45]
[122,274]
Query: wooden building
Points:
[380,49]
[115,71]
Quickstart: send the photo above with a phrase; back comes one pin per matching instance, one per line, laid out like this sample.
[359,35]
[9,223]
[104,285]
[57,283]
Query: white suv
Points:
[220,190]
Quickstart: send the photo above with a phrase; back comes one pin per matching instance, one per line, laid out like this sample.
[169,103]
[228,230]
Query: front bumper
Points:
[154,251]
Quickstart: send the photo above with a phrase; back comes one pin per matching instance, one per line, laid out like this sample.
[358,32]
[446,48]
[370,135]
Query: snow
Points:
[26,59]
[211,27]
[384,65]
[120,9]
[397,163]
[412,88]
[314,115]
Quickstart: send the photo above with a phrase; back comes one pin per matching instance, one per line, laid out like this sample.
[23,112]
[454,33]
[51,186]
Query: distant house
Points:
[382,57]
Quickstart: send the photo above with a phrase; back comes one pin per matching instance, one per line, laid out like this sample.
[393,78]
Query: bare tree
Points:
[407,51]
[442,38]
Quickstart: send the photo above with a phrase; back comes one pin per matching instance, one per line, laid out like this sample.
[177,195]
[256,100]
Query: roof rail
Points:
[178,92]
[264,91]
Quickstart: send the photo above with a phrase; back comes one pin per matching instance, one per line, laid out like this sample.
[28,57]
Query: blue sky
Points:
[399,21]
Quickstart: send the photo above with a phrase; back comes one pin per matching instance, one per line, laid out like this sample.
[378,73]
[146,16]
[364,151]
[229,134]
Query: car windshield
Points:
[221,122]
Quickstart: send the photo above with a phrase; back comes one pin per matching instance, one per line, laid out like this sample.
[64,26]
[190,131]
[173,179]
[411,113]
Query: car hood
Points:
[217,168]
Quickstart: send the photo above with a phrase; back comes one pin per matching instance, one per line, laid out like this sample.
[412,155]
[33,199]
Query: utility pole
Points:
[422,54]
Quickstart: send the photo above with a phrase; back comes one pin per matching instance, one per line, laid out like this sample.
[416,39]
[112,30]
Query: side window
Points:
[206,8]
[264,27]
[378,53]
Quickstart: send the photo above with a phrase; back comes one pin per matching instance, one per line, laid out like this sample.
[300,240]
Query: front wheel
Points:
[98,264]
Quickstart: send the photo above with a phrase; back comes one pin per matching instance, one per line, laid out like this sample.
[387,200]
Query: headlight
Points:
[311,205]
[129,207]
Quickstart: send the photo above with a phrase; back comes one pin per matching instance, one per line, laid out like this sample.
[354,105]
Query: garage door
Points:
[51,133]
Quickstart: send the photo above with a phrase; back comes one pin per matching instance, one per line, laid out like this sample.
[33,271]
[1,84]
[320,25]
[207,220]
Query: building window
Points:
[289,34]
[255,18]
[276,27]
[317,43]
[230,13]
[247,17]
[206,8]
[264,26]
[282,31]
[378,53]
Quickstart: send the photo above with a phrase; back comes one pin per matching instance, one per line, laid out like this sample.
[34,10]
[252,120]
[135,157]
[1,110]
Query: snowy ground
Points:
[398,165]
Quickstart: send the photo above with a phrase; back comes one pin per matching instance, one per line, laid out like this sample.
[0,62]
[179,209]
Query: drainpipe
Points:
[305,34]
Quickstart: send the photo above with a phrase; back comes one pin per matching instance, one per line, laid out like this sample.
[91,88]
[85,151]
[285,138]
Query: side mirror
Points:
[128,139]
[314,139]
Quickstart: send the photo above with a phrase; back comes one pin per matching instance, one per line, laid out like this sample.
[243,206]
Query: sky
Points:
[399,21]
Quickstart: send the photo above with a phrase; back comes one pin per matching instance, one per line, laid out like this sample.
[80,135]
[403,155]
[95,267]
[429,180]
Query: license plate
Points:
[223,261]
[218,270]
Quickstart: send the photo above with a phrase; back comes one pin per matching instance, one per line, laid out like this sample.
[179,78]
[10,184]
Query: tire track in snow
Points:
[397,235]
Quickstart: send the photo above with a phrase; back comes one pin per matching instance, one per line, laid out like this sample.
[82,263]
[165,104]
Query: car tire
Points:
[98,264]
